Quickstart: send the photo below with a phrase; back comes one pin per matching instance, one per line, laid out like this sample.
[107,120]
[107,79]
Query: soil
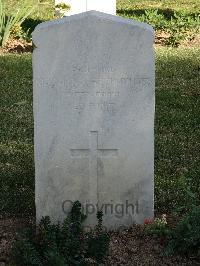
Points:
[161,37]
[127,247]
[8,232]
[134,247]
[193,42]
[16,46]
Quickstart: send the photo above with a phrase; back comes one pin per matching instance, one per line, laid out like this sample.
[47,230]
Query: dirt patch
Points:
[8,232]
[134,247]
[161,37]
[17,46]
[192,42]
[127,247]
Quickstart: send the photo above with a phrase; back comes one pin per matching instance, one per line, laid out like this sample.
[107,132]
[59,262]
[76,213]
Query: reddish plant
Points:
[148,221]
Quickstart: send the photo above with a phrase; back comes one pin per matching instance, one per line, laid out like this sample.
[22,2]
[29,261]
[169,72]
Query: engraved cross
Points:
[94,153]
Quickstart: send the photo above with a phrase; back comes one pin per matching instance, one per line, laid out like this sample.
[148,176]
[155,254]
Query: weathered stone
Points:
[94,117]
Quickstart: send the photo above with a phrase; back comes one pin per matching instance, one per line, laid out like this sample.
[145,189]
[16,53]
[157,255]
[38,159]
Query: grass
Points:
[178,5]
[177,161]
[128,8]
[45,10]
[179,20]
[177,126]
[16,134]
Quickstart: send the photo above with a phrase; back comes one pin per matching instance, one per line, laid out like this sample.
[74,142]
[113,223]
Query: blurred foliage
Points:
[12,23]
[185,238]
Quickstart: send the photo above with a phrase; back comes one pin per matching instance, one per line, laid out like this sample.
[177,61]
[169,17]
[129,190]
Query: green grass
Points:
[45,10]
[179,19]
[46,6]
[177,125]
[177,129]
[16,134]
[178,5]
[128,8]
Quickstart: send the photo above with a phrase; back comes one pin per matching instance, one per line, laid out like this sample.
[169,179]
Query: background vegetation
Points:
[174,21]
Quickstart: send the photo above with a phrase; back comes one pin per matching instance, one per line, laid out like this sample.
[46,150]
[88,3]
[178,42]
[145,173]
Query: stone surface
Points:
[78,6]
[94,117]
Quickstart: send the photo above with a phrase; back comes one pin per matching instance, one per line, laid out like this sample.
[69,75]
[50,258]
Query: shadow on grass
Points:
[177,130]
[29,25]
[16,134]
[167,13]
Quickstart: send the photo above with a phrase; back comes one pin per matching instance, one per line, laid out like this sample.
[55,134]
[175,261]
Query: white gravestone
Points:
[94,118]
[78,6]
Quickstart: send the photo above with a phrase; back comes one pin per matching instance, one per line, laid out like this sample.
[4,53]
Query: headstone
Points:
[94,118]
[79,6]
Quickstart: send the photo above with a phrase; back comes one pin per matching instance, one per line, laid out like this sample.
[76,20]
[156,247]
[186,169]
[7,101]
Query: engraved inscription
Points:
[97,69]
[104,106]
[104,93]
[109,94]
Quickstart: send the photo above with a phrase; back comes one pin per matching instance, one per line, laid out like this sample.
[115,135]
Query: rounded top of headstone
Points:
[89,15]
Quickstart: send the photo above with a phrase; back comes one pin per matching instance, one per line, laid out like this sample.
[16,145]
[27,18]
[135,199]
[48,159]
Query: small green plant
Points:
[61,244]
[176,26]
[63,6]
[61,9]
[98,241]
[152,17]
[17,32]
[185,238]
[158,226]
[9,23]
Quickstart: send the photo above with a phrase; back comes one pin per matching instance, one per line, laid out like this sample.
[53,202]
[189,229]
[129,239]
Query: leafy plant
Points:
[185,238]
[61,9]
[176,26]
[61,244]
[98,241]
[7,23]
[158,226]
[63,6]
[154,18]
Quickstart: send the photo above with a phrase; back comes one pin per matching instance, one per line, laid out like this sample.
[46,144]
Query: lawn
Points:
[45,9]
[177,162]
[192,6]
[175,22]
[16,134]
